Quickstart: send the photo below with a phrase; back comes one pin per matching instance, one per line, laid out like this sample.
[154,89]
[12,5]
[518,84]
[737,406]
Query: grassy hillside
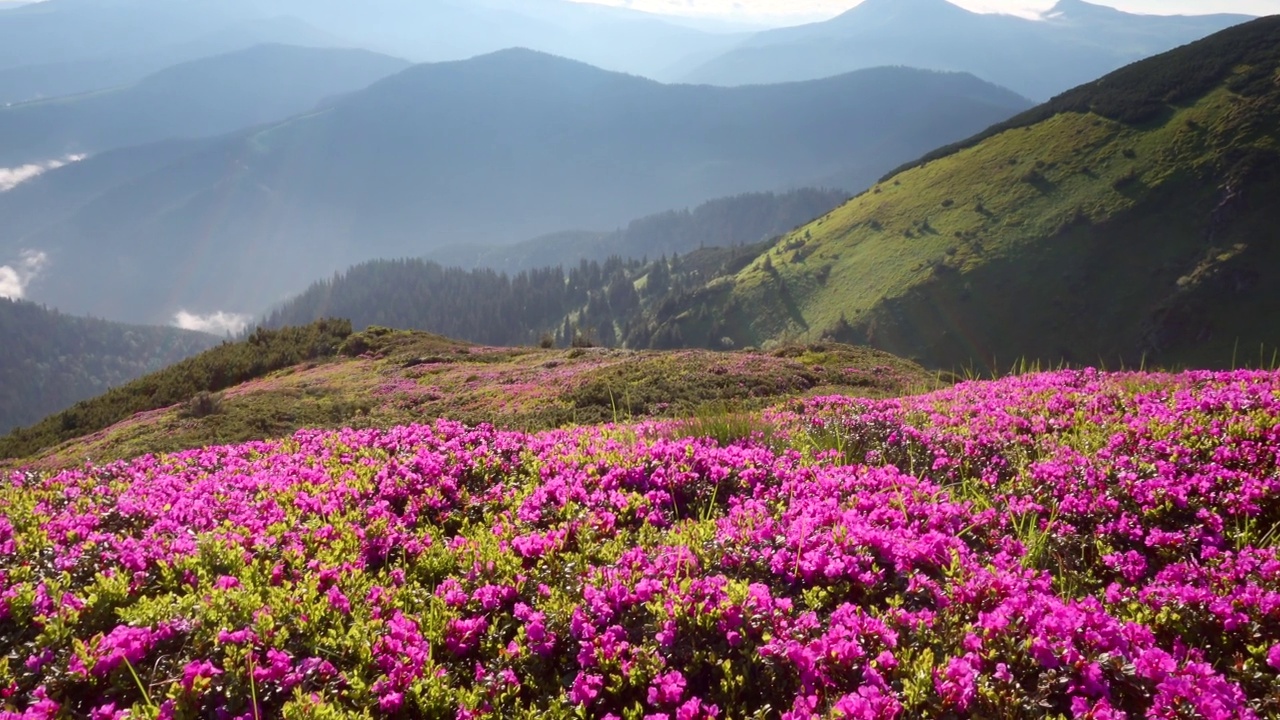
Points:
[1128,219]
[49,360]
[323,376]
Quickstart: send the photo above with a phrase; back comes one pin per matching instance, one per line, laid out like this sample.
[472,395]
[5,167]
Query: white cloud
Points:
[10,283]
[219,323]
[11,178]
[15,278]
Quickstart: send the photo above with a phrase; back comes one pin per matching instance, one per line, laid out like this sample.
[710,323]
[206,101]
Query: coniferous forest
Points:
[50,360]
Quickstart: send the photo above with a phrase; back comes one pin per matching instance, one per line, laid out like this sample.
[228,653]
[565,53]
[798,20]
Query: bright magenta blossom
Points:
[1077,544]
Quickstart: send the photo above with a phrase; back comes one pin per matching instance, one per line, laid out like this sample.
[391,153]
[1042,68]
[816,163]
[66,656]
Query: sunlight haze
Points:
[805,10]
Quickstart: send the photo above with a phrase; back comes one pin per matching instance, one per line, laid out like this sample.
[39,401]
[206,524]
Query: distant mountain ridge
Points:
[201,98]
[1074,42]
[725,222]
[1128,221]
[63,77]
[492,150]
[61,47]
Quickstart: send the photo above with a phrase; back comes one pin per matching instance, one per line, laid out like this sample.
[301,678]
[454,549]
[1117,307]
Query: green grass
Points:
[726,423]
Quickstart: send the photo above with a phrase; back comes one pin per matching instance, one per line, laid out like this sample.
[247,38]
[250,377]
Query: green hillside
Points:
[1130,219]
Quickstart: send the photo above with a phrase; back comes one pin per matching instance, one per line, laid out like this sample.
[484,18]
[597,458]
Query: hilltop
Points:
[1127,220]
[324,375]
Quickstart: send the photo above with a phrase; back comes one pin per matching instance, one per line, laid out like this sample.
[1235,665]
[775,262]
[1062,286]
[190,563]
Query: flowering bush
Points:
[1073,544]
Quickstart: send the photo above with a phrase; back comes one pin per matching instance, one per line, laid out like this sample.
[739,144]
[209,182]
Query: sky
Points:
[805,10]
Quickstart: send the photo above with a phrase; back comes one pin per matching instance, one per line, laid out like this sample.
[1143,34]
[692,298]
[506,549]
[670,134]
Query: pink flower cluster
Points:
[1073,544]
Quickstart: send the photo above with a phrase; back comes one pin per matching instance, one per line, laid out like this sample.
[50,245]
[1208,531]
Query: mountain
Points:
[725,222]
[615,38]
[492,150]
[63,47]
[49,360]
[73,77]
[1129,220]
[206,97]
[1072,43]
[322,375]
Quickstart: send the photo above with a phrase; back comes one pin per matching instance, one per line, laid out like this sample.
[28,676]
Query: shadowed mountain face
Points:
[1073,43]
[49,360]
[63,47]
[492,150]
[197,99]
[1130,219]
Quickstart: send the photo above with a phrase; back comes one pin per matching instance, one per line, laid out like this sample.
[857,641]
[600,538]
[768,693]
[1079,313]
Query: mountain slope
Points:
[204,97]
[49,360]
[492,150]
[1129,219]
[1073,43]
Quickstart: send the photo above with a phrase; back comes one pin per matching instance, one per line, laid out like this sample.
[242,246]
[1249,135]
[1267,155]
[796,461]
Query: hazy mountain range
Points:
[743,219]
[61,47]
[1073,43]
[200,98]
[496,149]
[1129,220]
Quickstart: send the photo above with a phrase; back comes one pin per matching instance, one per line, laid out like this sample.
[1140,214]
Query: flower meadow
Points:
[1067,545]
